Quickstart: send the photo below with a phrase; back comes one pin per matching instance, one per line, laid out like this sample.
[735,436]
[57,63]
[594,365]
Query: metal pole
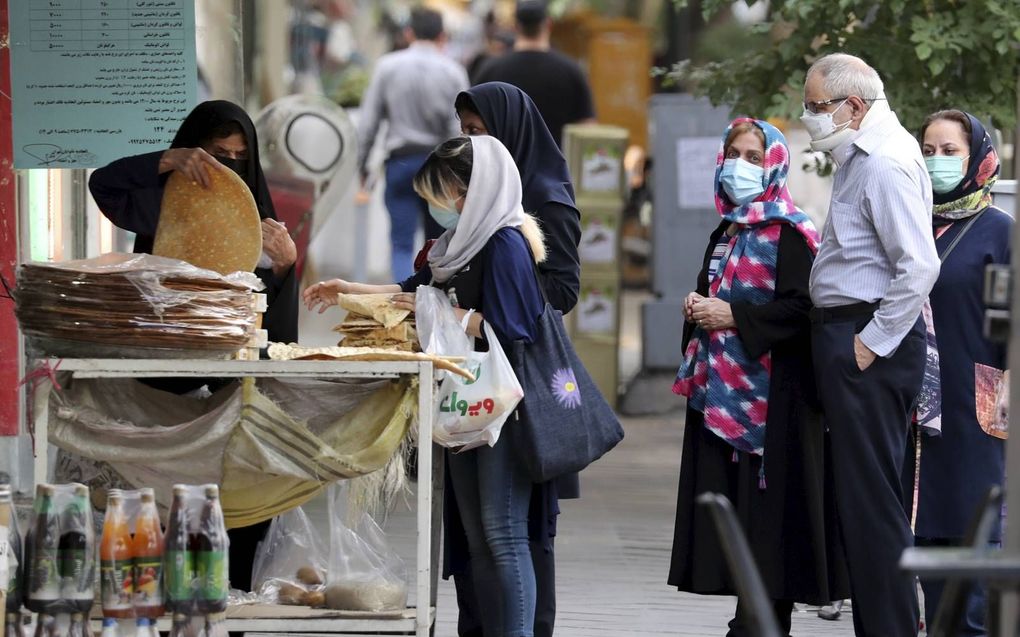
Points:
[1010,608]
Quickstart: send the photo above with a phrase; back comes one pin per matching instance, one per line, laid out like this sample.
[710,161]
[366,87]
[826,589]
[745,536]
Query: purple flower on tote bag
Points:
[564,388]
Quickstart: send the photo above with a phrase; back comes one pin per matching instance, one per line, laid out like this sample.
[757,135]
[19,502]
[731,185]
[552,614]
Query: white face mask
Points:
[820,125]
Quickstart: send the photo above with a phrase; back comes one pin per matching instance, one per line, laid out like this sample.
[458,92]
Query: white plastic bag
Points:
[292,556]
[439,331]
[471,414]
[468,414]
[365,573]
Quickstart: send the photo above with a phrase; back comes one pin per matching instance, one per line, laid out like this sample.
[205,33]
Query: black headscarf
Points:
[511,117]
[983,166]
[197,128]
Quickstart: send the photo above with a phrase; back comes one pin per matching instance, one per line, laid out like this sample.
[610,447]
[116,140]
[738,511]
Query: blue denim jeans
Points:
[407,212]
[493,493]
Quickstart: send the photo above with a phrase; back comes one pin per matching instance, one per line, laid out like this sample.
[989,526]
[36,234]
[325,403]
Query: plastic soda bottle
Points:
[147,552]
[146,627]
[43,574]
[215,626]
[211,556]
[110,627]
[178,562]
[45,625]
[15,559]
[76,551]
[13,626]
[115,560]
[181,626]
[78,627]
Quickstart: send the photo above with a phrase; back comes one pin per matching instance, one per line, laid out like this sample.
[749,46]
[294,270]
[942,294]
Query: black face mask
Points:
[239,166]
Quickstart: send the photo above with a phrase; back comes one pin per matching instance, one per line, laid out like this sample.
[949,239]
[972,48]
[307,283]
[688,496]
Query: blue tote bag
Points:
[563,423]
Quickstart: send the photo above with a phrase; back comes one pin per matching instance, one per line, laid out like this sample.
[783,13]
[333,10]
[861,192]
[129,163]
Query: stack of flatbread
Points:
[373,321]
[134,305]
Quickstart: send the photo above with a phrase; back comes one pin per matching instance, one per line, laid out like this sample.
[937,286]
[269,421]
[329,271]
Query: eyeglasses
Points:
[812,107]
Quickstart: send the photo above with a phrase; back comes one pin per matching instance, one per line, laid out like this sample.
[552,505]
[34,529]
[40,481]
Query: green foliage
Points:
[931,54]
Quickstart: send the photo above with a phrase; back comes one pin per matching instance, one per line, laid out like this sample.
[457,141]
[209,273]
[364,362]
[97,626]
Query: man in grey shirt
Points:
[413,90]
[874,269]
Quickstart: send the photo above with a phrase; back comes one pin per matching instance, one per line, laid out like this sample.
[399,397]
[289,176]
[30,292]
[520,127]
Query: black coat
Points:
[791,524]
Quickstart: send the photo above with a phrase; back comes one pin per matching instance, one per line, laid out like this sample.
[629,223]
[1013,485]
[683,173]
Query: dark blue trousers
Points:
[868,415]
[407,212]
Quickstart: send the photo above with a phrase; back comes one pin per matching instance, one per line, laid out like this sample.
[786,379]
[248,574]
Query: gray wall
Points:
[684,215]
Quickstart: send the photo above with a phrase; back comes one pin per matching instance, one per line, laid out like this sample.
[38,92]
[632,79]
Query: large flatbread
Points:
[217,228]
[400,332]
[377,306]
[287,352]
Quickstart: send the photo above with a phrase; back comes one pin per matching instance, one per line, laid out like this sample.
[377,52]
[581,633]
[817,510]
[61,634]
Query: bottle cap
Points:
[44,489]
[109,621]
[147,494]
[180,489]
[81,490]
[143,622]
[212,491]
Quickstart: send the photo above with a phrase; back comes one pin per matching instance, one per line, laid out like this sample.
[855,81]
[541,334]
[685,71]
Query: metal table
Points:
[417,620]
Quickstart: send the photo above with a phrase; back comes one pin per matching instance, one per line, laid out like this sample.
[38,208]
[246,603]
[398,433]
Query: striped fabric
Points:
[722,246]
[877,243]
[718,377]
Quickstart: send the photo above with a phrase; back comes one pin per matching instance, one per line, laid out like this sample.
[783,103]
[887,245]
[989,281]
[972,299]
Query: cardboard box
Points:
[599,248]
[594,154]
[594,328]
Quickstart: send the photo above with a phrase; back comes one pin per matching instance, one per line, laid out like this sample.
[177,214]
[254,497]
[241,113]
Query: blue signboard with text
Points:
[96,80]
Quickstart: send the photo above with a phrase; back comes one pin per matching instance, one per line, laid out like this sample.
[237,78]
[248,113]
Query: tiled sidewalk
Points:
[613,551]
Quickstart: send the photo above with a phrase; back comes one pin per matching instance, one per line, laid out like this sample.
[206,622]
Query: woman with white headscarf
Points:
[486,264]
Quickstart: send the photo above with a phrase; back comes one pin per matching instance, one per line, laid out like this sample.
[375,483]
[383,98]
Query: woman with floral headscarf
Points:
[753,430]
[963,446]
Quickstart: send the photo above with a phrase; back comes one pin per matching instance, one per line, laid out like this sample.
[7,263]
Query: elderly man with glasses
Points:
[874,269]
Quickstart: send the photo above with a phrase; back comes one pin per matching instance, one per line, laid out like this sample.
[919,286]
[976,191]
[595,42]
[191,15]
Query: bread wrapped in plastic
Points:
[134,305]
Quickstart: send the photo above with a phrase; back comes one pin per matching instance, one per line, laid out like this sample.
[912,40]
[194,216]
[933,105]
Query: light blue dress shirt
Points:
[877,244]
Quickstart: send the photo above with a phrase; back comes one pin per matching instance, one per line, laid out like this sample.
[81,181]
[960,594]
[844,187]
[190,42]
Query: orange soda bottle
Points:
[115,560]
[147,553]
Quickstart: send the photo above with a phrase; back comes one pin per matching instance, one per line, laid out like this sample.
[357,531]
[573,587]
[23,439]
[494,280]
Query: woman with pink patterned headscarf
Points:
[753,429]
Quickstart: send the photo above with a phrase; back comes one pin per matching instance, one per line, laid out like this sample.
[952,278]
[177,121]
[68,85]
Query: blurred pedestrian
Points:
[753,429]
[498,42]
[875,267]
[553,81]
[412,91]
[963,454]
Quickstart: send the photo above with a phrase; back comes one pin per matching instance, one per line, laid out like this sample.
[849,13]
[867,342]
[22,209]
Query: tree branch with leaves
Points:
[931,54]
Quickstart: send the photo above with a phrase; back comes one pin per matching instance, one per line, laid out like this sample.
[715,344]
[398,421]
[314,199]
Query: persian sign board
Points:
[216,228]
[96,80]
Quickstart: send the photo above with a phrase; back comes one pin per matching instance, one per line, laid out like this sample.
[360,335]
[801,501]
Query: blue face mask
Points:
[742,181]
[946,172]
[446,217]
